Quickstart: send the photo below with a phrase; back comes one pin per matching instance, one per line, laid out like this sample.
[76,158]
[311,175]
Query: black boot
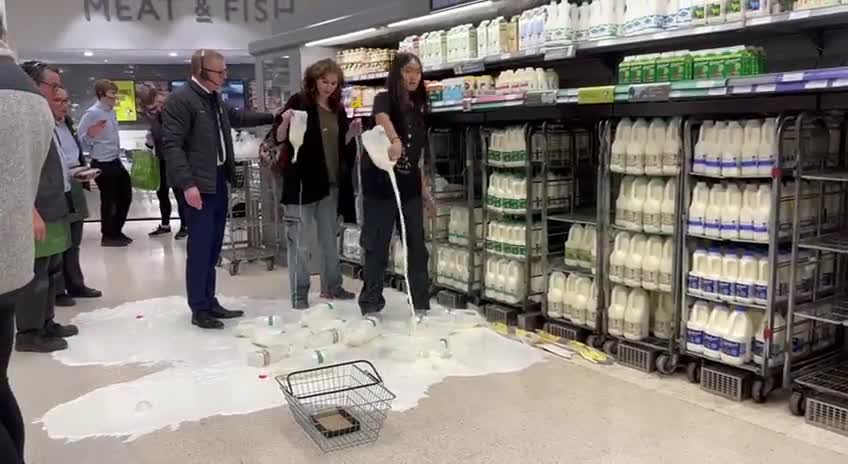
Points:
[36,342]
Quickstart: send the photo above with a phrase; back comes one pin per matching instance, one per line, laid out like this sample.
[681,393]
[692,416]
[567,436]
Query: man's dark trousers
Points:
[204,245]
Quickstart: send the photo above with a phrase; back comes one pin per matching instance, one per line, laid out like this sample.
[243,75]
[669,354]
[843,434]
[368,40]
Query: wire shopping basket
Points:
[339,406]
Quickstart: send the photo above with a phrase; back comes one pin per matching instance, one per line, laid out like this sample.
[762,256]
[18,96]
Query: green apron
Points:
[58,240]
[80,212]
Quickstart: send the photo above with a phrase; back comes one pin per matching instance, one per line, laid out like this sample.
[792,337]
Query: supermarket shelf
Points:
[836,242]
[512,256]
[750,367]
[367,77]
[730,304]
[447,286]
[830,379]
[720,177]
[652,343]
[589,217]
[835,176]
[563,320]
[729,240]
[561,267]
[638,231]
[832,310]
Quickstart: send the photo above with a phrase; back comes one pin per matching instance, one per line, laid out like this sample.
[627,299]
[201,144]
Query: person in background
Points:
[26,129]
[99,136]
[154,142]
[319,187]
[37,331]
[401,111]
[197,145]
[72,285]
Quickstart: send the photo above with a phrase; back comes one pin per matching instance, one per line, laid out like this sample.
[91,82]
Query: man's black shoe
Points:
[36,342]
[181,234]
[113,242]
[204,320]
[85,292]
[125,238]
[55,330]
[65,301]
[223,313]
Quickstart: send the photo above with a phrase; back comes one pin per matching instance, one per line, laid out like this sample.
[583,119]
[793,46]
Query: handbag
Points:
[272,154]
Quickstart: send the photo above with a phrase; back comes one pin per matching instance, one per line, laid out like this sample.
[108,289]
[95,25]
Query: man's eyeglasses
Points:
[223,72]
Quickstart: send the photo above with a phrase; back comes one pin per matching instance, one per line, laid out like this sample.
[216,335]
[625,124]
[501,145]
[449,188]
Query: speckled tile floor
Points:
[559,411]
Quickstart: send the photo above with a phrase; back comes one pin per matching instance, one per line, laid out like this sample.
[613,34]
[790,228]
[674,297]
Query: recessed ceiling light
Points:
[173,54]
[342,38]
[88,53]
[286,57]
[105,61]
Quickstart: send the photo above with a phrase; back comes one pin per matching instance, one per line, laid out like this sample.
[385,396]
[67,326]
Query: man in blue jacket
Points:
[197,146]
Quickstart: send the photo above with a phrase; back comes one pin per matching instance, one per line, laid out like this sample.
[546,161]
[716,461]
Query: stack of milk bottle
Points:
[736,148]
[581,249]
[639,261]
[636,314]
[398,256]
[507,192]
[453,267]
[647,148]
[510,238]
[508,147]
[574,298]
[647,205]
[506,279]
[459,225]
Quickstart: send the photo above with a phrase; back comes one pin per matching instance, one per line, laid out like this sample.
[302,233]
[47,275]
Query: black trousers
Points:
[73,279]
[36,304]
[164,196]
[115,197]
[11,422]
[380,220]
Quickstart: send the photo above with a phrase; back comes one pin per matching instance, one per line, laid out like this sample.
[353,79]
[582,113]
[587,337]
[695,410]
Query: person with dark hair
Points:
[99,136]
[401,111]
[153,108]
[318,188]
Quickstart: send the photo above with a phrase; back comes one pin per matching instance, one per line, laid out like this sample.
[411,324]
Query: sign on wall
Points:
[125,107]
[203,11]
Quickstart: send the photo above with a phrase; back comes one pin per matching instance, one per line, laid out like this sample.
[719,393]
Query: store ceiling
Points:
[125,56]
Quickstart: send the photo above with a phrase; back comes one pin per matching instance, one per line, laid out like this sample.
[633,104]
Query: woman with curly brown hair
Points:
[318,187]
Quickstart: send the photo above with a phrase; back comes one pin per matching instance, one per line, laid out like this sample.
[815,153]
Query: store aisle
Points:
[551,413]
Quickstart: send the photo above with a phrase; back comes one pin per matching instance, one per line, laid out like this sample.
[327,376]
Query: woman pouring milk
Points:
[401,111]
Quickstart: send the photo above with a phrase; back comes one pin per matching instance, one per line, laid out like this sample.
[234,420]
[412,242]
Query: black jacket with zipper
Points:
[191,136]
[310,171]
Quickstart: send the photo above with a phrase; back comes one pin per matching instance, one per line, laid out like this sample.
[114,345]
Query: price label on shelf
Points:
[799,15]
[765,88]
[793,77]
[816,85]
[717,92]
[839,83]
[466,104]
[650,92]
[560,53]
[742,89]
[541,98]
[469,67]
[596,95]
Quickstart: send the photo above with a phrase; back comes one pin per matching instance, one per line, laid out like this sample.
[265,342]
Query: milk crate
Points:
[729,383]
[637,357]
[531,321]
[827,415]
[452,299]
[496,313]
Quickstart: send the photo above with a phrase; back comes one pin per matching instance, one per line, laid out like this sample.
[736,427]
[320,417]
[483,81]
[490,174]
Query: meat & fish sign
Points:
[204,11]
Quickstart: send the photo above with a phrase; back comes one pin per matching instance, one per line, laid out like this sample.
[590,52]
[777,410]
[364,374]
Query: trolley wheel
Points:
[594,341]
[270,264]
[693,372]
[611,347]
[761,389]
[234,268]
[667,365]
[797,403]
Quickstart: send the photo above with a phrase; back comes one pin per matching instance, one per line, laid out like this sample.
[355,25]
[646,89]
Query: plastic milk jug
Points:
[698,272]
[702,147]
[736,344]
[671,148]
[712,218]
[732,150]
[718,137]
[731,212]
[572,245]
[768,148]
[619,256]
[748,275]
[552,23]
[668,209]
[729,276]
[762,214]
[761,285]
[592,306]
[636,148]
[568,20]
[633,266]
[778,341]
[652,209]
[746,213]
[503,275]
[618,159]
[657,133]
[709,282]
[570,296]
[751,147]
[715,331]
[494,35]
[515,282]
[698,208]
[491,274]
[617,309]
[651,263]
[666,266]
[584,288]
[636,204]
[483,39]
[589,248]
[637,316]
[699,317]
[663,314]
[622,214]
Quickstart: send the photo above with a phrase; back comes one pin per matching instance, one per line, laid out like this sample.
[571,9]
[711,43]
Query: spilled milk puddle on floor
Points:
[205,373]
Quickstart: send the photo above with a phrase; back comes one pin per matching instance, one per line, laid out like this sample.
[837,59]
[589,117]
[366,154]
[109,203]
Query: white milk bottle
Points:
[702,147]
[778,341]
[515,282]
[709,282]
[729,276]
[662,318]
[636,148]
[761,285]
[570,296]
[762,214]
[491,277]
[736,343]
[698,272]
[699,319]
[746,213]
[698,208]
[712,218]
[731,212]
[657,132]
[712,161]
[637,316]
[618,257]
[651,263]
[768,148]
[666,266]
[622,215]
[618,158]
[668,209]
[731,153]
[633,266]
[751,147]
[503,274]
[584,289]
[671,148]
[748,275]
[483,39]
[636,204]
[589,247]
[715,331]
[652,209]
[592,306]
[617,310]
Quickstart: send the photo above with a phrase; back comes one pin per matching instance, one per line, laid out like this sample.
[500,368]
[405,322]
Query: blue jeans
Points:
[302,220]
[204,246]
